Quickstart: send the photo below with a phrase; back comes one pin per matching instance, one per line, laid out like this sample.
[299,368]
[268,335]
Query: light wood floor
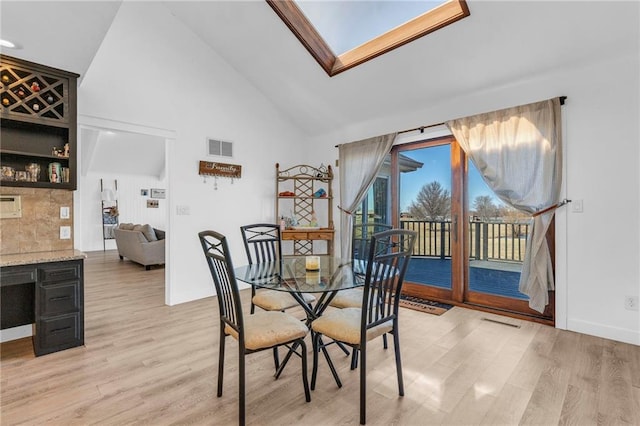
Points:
[149,364]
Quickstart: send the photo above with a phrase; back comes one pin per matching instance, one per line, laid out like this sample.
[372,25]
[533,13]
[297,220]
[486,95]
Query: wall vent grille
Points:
[219,148]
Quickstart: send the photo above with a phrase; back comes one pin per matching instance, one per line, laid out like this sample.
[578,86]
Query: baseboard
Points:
[614,333]
[16,333]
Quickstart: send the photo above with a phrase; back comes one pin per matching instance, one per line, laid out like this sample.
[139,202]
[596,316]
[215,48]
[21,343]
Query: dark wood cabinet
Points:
[38,116]
[50,296]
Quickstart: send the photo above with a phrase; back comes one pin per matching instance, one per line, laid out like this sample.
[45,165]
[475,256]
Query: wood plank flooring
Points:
[145,363]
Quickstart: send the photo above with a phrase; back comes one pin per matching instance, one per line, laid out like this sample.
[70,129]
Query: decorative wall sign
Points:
[153,204]
[157,193]
[144,192]
[209,168]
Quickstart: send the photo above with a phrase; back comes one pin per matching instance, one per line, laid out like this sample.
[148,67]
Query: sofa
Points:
[142,244]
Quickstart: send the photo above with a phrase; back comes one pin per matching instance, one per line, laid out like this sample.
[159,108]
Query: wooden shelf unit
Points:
[304,181]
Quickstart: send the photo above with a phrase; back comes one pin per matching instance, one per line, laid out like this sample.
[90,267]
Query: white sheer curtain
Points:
[360,163]
[518,151]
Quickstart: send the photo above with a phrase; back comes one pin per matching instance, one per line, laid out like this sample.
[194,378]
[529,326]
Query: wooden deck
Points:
[492,277]
[145,363]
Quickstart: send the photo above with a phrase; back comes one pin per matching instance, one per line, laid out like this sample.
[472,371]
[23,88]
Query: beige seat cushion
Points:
[351,298]
[267,329]
[344,325]
[273,300]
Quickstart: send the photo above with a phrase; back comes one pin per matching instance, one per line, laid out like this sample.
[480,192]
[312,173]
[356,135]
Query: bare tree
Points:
[433,202]
[484,207]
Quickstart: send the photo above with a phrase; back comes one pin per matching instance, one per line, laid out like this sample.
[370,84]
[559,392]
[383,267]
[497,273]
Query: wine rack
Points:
[38,114]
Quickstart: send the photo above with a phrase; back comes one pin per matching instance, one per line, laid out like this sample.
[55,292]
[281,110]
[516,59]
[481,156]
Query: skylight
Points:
[348,24]
[343,34]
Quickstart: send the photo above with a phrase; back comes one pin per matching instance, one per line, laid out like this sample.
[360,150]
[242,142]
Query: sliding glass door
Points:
[470,245]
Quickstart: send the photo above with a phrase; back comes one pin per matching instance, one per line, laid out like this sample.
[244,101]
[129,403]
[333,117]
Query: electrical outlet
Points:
[183,210]
[631,303]
[65,232]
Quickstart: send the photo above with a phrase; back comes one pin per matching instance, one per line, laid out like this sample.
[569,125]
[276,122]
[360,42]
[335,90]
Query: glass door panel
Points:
[497,240]
[424,201]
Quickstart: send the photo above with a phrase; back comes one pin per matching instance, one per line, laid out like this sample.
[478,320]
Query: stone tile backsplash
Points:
[39,227]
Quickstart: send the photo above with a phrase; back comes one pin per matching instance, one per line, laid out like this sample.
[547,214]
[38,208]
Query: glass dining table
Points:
[291,275]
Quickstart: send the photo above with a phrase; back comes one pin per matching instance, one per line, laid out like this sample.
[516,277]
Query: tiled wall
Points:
[39,227]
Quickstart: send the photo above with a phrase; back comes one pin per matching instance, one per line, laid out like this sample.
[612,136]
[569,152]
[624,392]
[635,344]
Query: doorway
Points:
[91,127]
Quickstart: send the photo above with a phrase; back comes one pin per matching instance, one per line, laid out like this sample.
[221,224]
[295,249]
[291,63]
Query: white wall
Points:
[152,71]
[598,250]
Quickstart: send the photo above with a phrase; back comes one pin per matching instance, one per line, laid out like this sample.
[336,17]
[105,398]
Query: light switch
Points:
[64,212]
[183,210]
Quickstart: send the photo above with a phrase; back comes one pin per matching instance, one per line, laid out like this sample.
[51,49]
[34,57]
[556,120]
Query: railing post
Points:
[442,240]
[485,241]
[476,240]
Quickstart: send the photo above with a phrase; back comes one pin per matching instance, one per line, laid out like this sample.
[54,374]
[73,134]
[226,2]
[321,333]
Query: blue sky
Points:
[347,24]
[437,166]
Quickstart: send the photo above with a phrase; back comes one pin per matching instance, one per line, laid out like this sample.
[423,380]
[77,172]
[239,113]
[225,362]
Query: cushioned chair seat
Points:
[273,300]
[351,298]
[267,329]
[344,325]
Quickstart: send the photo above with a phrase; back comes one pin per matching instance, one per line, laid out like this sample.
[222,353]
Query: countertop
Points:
[40,257]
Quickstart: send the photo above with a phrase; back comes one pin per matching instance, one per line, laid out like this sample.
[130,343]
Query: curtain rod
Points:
[421,128]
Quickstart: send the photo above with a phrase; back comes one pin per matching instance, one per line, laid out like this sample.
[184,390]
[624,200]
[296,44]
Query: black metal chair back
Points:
[262,242]
[389,255]
[361,238]
[216,251]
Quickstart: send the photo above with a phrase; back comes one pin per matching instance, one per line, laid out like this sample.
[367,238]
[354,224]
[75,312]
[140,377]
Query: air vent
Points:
[219,148]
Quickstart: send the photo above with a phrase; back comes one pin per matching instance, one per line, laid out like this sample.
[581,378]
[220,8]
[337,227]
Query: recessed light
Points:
[8,44]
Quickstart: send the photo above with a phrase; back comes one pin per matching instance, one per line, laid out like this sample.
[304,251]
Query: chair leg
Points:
[221,359]
[354,359]
[276,358]
[241,387]
[305,379]
[384,341]
[316,349]
[363,384]
[396,346]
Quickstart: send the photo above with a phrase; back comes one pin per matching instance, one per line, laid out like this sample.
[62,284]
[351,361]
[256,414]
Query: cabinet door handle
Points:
[60,330]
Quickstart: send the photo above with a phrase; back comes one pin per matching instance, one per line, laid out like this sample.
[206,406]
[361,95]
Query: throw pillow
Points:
[149,233]
[126,226]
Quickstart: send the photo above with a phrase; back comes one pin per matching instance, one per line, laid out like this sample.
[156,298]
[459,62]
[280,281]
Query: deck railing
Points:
[503,241]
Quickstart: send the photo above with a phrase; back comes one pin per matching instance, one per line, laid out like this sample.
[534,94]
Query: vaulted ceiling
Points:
[501,42]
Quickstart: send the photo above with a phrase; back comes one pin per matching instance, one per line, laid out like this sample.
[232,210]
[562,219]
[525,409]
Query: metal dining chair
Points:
[254,333]
[389,255]
[262,243]
[360,244]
